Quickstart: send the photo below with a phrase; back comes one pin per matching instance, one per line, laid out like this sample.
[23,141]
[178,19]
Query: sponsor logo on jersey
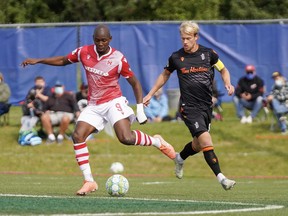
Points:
[96,71]
[194,69]
[202,56]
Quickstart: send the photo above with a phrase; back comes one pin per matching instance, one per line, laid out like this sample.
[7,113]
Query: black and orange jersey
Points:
[195,74]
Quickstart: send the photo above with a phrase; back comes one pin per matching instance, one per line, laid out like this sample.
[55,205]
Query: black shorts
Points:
[198,121]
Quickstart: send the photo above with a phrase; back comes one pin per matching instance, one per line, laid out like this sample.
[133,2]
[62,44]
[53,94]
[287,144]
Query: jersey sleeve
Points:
[170,65]
[74,56]
[215,61]
[126,69]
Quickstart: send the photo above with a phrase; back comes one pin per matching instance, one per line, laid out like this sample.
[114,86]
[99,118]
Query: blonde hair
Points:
[189,27]
[1,76]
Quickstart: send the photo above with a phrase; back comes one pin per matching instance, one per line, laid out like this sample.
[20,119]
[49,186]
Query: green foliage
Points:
[38,11]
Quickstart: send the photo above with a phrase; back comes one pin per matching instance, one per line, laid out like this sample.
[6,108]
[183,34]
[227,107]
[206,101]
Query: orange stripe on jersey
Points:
[209,148]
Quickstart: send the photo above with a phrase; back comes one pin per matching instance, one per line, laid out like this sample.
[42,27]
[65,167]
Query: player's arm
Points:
[161,80]
[225,76]
[55,61]
[137,89]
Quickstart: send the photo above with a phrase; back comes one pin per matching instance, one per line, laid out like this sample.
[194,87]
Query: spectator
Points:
[32,108]
[36,96]
[60,109]
[5,94]
[81,96]
[249,94]
[157,110]
[278,99]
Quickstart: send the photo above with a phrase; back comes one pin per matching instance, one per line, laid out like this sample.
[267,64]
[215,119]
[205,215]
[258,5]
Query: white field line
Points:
[258,207]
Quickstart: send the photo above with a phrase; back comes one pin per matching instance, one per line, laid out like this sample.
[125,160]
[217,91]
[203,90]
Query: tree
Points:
[39,11]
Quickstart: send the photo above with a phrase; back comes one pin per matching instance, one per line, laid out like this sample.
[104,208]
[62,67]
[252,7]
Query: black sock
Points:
[212,161]
[187,151]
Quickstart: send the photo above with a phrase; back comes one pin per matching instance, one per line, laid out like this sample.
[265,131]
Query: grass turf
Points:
[251,154]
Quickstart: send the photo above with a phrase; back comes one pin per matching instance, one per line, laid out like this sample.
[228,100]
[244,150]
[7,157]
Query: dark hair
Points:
[39,78]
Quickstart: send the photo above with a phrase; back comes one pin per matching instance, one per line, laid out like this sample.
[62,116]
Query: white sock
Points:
[179,158]
[87,174]
[82,157]
[143,139]
[156,143]
[220,177]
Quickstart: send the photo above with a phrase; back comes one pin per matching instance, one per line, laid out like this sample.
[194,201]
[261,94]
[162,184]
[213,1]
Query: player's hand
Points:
[146,100]
[230,89]
[29,61]
[140,115]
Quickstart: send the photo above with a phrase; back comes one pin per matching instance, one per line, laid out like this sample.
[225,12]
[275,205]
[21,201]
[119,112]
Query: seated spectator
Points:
[278,100]
[81,96]
[32,108]
[60,109]
[249,94]
[35,98]
[157,111]
[5,94]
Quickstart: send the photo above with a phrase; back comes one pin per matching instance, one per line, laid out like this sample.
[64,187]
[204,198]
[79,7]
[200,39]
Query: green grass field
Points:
[43,179]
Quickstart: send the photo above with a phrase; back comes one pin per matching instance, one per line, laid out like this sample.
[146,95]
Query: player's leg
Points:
[88,122]
[121,116]
[190,118]
[81,132]
[188,150]
[139,138]
[211,159]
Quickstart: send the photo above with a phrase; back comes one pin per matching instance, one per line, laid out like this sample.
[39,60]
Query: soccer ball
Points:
[117,167]
[117,185]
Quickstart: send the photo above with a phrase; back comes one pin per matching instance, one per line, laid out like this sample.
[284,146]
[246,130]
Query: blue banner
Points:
[147,47]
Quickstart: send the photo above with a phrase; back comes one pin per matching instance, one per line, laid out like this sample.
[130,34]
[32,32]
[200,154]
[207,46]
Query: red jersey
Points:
[102,73]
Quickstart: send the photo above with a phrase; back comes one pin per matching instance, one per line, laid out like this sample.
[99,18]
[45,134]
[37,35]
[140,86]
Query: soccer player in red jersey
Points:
[195,65]
[104,65]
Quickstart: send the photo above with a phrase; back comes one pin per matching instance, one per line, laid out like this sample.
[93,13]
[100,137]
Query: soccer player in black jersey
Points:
[195,65]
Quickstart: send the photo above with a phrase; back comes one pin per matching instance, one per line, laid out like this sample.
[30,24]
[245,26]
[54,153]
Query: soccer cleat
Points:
[87,187]
[227,184]
[166,148]
[178,168]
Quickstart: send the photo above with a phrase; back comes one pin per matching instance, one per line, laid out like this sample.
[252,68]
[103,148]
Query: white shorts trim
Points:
[111,111]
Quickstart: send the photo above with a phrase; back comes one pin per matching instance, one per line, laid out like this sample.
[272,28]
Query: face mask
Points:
[250,76]
[59,90]
[278,83]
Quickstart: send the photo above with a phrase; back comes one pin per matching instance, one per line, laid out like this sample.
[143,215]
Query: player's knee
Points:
[77,137]
[126,139]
